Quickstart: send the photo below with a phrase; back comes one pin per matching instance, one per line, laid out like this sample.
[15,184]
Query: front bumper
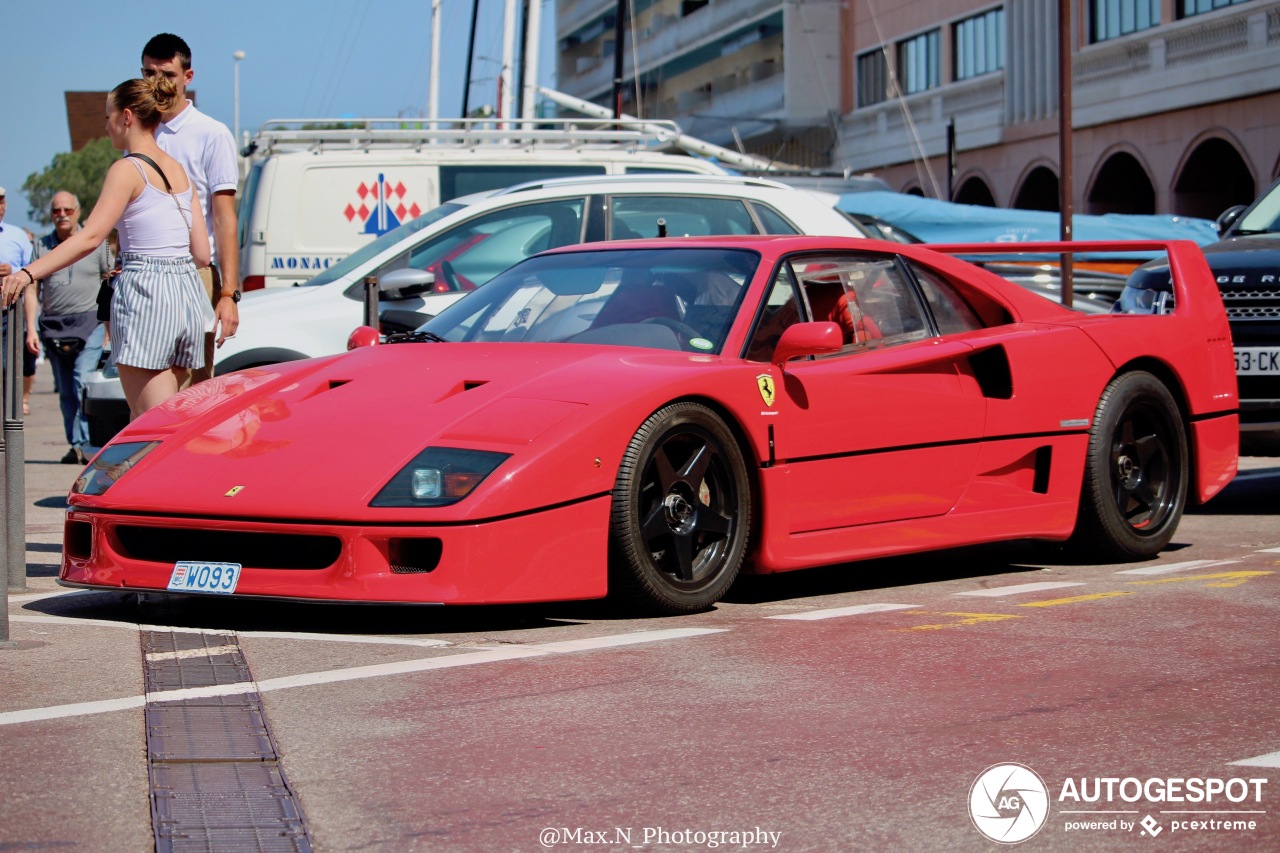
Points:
[557,554]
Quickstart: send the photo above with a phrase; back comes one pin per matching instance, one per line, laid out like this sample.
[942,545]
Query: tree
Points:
[79,172]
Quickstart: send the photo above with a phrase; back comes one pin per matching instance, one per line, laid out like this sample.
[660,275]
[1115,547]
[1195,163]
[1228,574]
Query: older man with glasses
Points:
[68,323]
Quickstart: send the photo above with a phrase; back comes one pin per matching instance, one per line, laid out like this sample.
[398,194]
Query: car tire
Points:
[1136,472]
[681,512]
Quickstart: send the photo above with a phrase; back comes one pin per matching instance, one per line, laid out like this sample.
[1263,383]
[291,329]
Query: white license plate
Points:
[1258,361]
[192,576]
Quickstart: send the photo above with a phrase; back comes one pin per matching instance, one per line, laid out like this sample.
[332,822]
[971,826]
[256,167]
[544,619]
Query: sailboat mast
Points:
[471,54]
[619,24]
[532,37]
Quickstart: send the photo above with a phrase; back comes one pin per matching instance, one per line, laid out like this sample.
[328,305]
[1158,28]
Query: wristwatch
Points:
[234,295]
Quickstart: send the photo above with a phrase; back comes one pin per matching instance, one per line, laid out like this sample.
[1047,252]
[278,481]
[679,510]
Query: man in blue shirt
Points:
[15,245]
[15,253]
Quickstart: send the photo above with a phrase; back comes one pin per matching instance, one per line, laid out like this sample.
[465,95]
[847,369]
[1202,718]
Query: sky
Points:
[303,59]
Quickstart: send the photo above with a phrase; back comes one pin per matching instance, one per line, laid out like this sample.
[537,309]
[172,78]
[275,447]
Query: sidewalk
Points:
[78,781]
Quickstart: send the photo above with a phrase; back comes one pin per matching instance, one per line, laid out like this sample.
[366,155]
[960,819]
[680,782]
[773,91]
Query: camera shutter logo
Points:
[1008,803]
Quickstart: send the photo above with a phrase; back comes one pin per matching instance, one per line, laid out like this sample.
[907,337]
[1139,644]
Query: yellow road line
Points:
[962,619]
[1054,602]
[1226,580]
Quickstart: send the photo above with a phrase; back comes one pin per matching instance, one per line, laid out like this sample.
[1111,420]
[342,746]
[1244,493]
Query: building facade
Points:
[756,75]
[1176,103]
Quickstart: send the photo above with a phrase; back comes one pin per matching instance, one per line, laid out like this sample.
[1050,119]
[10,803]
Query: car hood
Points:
[1250,255]
[318,439]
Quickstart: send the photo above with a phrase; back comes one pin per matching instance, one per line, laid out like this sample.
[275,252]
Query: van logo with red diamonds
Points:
[381,207]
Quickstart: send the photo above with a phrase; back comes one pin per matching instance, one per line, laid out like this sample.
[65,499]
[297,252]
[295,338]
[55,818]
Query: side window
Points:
[772,221]
[780,310]
[637,216]
[868,297]
[471,253]
[950,311]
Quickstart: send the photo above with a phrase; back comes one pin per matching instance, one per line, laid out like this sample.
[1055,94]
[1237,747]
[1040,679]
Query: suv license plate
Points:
[193,576]
[1258,361]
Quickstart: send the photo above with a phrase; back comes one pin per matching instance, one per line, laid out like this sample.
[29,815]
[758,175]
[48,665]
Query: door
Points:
[885,429]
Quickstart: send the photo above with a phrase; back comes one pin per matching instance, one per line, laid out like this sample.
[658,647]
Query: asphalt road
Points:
[846,708]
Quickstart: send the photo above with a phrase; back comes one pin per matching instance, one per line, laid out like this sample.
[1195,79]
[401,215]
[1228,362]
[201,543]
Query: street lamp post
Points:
[237,56]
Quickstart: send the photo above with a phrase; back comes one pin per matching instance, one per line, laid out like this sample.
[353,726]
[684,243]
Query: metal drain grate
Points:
[216,780]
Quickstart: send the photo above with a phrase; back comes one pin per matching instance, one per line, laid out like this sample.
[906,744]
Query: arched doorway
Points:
[975,191]
[1212,178]
[1121,186]
[1039,191]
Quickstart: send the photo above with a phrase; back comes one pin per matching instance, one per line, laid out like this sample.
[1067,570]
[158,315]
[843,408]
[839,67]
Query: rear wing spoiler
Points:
[1192,279]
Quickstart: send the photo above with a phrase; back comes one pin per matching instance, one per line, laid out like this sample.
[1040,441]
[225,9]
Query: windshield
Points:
[1264,218]
[676,299]
[369,250]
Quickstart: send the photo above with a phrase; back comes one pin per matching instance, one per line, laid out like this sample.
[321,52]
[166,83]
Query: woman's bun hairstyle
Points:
[148,98]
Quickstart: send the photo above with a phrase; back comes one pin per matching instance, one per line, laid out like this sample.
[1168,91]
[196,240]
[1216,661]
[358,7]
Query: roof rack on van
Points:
[365,133]
[685,178]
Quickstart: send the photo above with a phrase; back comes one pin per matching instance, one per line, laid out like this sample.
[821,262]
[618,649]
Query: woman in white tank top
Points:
[159,309]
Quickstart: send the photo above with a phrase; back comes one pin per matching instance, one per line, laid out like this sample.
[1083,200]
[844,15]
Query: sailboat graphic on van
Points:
[381,206]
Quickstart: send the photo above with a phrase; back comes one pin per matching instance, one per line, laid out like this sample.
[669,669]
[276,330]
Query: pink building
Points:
[1176,102]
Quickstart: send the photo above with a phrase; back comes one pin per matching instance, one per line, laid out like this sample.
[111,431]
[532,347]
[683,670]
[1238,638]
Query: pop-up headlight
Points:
[439,476]
[110,465]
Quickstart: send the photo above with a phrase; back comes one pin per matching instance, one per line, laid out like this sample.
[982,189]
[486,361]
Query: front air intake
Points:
[413,556]
[251,550]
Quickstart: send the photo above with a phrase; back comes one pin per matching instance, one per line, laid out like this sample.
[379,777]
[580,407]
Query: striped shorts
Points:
[159,312]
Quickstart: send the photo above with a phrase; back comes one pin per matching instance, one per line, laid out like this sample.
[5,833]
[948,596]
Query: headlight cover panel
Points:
[438,476]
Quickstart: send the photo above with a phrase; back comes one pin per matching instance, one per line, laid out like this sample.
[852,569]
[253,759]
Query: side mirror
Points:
[401,283]
[1228,218]
[804,339]
[363,336]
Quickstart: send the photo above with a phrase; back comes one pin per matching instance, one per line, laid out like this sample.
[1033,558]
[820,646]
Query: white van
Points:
[317,191]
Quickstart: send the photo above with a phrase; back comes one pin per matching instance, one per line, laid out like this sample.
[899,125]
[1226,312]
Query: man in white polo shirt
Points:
[205,148]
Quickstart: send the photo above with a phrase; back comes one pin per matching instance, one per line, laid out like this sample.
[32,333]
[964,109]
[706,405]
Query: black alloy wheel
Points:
[681,512]
[1136,471]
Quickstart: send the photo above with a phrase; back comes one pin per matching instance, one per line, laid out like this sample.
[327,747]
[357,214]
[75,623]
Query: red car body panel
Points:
[906,448]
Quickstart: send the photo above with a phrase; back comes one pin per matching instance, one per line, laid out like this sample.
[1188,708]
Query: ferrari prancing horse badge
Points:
[765,383]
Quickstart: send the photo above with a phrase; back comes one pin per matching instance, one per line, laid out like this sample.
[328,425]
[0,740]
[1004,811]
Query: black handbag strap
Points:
[152,163]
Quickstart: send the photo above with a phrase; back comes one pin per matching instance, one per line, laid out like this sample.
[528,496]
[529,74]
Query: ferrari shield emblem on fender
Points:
[765,383]
[233,491]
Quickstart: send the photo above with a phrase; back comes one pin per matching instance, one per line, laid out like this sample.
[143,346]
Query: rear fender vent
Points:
[1044,461]
[413,556]
[991,369]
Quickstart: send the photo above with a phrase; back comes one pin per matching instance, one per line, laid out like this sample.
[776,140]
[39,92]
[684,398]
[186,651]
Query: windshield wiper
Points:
[418,337]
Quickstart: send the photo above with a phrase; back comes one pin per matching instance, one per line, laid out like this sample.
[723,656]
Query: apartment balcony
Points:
[661,40]
[915,127]
[573,14]
[756,100]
